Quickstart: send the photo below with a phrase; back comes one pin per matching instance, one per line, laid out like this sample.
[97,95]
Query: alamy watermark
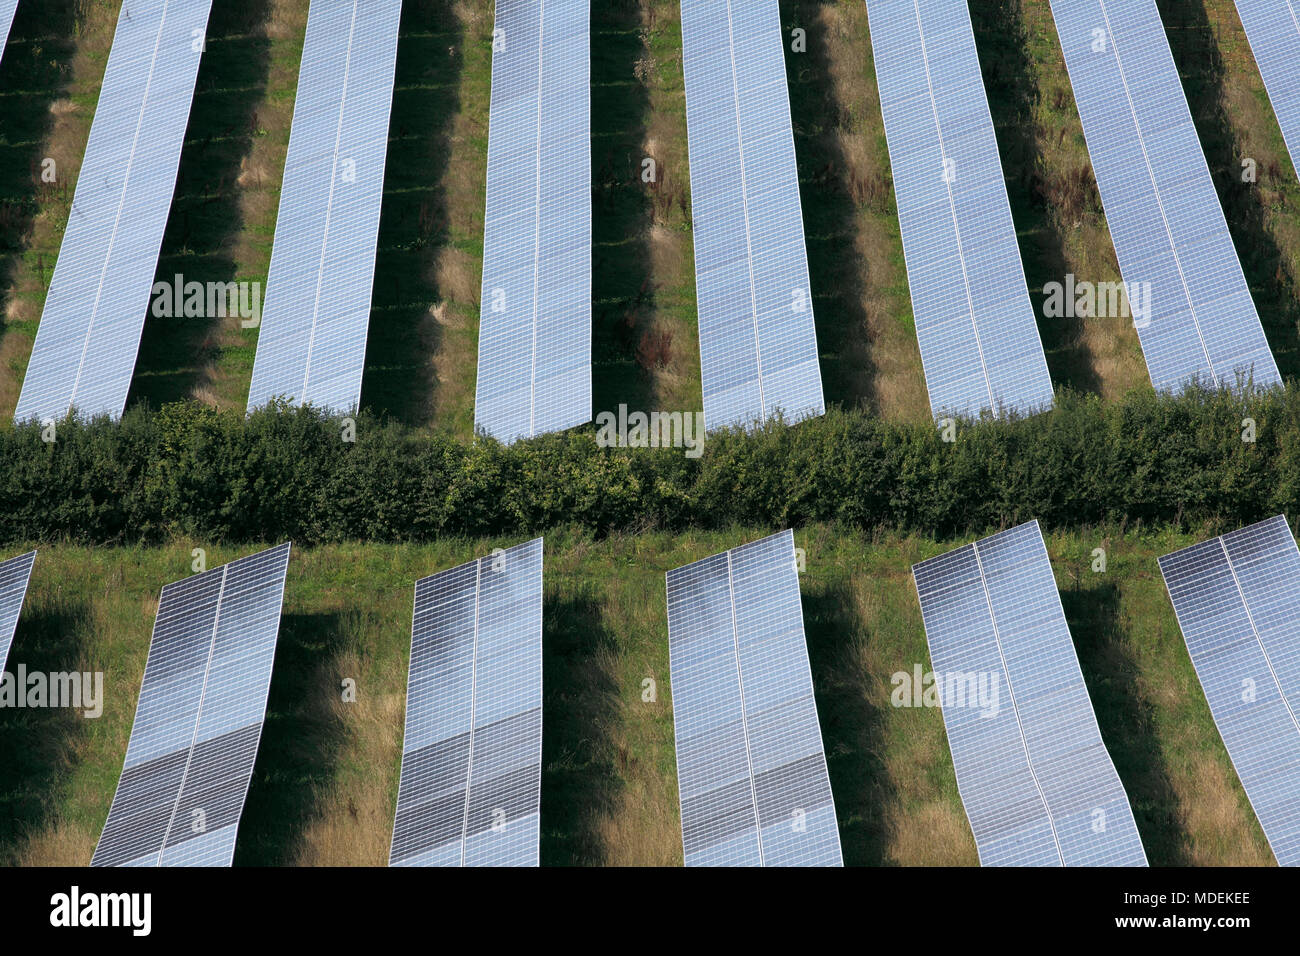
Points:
[1101,300]
[651,430]
[36,689]
[208,300]
[976,689]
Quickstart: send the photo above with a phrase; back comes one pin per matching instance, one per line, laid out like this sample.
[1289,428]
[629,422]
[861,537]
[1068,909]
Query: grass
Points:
[325,784]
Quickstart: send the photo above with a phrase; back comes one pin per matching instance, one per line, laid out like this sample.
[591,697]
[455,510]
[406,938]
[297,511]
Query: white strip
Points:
[952,206]
[749,245]
[198,714]
[329,208]
[744,717]
[473,703]
[126,181]
[537,222]
[1155,188]
[997,639]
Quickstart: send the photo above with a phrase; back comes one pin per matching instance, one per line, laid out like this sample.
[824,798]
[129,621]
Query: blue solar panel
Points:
[1037,783]
[975,324]
[312,345]
[7,8]
[1273,29]
[14,575]
[751,769]
[758,343]
[534,359]
[199,718]
[89,334]
[470,792]
[1164,215]
[1237,598]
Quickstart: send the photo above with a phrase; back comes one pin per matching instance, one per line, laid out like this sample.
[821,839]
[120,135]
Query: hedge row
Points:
[286,473]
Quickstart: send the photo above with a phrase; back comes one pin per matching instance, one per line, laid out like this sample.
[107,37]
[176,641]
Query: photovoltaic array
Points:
[758,343]
[534,359]
[1237,598]
[470,791]
[199,718]
[1037,783]
[89,334]
[975,324]
[312,345]
[7,10]
[1273,29]
[751,769]
[14,575]
[1165,219]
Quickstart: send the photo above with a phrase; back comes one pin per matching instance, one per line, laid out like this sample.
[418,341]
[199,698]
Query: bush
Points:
[287,473]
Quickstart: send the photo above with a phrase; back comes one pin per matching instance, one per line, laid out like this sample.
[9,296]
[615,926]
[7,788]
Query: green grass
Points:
[325,784]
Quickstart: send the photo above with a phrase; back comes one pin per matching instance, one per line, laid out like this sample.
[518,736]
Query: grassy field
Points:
[325,786]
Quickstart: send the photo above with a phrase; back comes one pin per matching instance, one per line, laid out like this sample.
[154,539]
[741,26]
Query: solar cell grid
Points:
[758,343]
[750,763]
[1273,29]
[1237,599]
[312,344]
[975,324]
[1164,216]
[199,717]
[86,344]
[7,10]
[14,576]
[471,761]
[1037,783]
[534,368]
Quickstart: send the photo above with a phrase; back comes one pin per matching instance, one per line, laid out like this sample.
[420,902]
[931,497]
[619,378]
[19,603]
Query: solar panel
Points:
[89,334]
[758,344]
[199,718]
[534,350]
[1037,783]
[975,324]
[7,10]
[751,769]
[14,575]
[1237,598]
[1164,215]
[312,345]
[1273,29]
[470,792]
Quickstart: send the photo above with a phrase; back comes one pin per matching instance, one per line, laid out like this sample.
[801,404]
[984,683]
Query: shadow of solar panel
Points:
[311,348]
[7,9]
[976,327]
[758,343]
[470,788]
[751,769]
[1273,29]
[534,361]
[1164,216]
[14,577]
[199,718]
[1237,598]
[1037,783]
[89,335]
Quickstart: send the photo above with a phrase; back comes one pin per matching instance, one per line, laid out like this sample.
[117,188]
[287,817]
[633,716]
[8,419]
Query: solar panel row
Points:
[14,575]
[199,718]
[89,334]
[1037,783]
[470,791]
[750,764]
[1237,598]
[1164,216]
[975,324]
[312,345]
[7,10]
[1273,29]
[758,343]
[534,365]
